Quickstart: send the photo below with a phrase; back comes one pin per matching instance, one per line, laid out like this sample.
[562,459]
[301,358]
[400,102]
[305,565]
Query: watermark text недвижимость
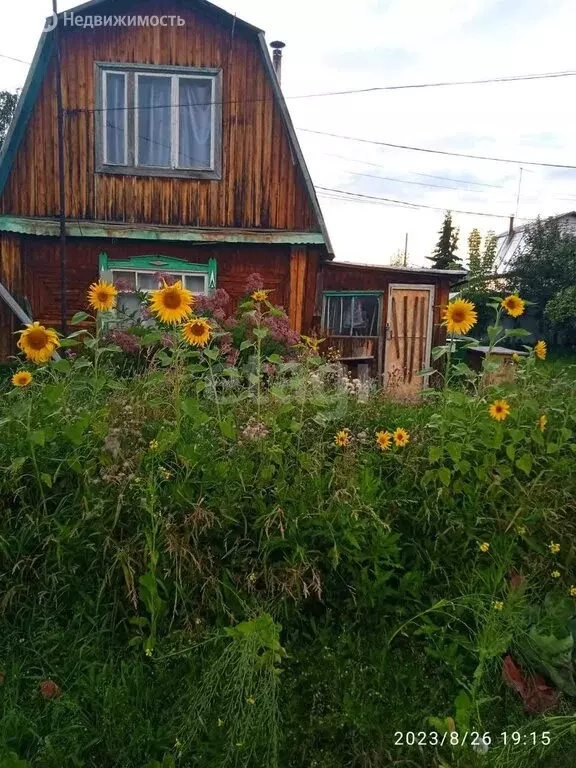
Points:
[70,19]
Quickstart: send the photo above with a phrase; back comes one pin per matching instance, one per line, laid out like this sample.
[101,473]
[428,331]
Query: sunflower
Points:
[401,437]
[260,295]
[22,378]
[460,316]
[171,303]
[514,305]
[197,332]
[384,440]
[102,296]
[499,410]
[516,357]
[541,350]
[554,547]
[38,343]
[542,421]
[342,438]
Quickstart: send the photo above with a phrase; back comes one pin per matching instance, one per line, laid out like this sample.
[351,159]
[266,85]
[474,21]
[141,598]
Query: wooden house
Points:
[179,155]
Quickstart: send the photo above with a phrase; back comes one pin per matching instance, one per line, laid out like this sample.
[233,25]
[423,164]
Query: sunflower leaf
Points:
[79,317]
[524,462]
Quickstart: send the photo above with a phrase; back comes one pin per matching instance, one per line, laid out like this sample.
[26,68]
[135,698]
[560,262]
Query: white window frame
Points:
[105,74]
[131,73]
[179,275]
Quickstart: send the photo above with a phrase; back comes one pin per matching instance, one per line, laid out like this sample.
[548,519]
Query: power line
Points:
[411,205]
[351,91]
[414,173]
[441,84]
[437,151]
[418,183]
[12,58]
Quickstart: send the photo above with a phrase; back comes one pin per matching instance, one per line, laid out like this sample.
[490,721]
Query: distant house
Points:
[509,243]
[180,157]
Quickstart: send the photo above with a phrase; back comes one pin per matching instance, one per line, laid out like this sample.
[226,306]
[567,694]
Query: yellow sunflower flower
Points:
[498,605]
[102,296]
[541,350]
[514,305]
[484,547]
[516,357]
[384,440]
[499,410]
[573,591]
[555,574]
[197,332]
[460,316]
[542,421]
[342,438]
[38,343]
[22,378]
[171,303]
[401,437]
[554,547]
[259,295]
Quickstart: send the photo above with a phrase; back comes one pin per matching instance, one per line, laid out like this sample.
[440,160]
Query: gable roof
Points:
[41,60]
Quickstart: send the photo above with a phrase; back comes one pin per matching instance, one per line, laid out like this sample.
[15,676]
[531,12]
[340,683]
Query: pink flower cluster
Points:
[164,277]
[254,431]
[254,282]
[279,328]
[126,341]
[124,285]
[214,303]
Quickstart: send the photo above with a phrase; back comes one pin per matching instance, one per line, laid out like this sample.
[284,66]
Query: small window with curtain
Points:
[159,121]
[351,314]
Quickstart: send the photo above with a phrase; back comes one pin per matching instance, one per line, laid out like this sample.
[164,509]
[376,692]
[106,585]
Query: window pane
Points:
[365,316]
[147,281]
[124,281]
[115,118]
[153,123]
[195,283]
[352,315]
[195,122]
[129,305]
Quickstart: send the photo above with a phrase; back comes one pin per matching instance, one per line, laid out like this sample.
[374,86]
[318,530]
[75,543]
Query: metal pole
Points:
[61,180]
[518,195]
[406,250]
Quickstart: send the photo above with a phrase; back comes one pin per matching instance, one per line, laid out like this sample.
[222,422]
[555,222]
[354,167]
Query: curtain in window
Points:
[195,121]
[154,121]
[115,119]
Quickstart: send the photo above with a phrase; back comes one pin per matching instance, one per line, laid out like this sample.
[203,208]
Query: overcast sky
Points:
[340,45]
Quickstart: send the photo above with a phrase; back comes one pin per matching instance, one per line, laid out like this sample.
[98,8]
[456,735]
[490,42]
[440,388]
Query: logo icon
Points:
[51,23]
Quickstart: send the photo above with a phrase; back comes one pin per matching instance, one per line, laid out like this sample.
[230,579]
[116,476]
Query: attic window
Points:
[159,121]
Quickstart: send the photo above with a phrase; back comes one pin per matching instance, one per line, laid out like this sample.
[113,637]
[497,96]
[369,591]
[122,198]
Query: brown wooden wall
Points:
[42,273]
[260,187]
[12,279]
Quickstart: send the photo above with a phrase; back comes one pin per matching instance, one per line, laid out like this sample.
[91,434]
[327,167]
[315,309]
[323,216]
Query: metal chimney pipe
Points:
[511,228]
[277,46]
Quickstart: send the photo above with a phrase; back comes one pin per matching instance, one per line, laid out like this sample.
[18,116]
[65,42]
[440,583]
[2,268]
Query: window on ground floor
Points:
[137,276]
[351,314]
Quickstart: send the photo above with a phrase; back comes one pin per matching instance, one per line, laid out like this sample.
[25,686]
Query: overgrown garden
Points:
[217,550]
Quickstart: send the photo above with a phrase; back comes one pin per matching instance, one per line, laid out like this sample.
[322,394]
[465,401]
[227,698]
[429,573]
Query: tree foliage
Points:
[481,260]
[7,108]
[444,254]
[545,264]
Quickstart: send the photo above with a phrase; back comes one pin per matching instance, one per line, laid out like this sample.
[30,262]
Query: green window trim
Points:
[158,263]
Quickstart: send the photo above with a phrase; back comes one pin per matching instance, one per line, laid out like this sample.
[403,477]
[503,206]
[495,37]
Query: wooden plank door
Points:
[408,337]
